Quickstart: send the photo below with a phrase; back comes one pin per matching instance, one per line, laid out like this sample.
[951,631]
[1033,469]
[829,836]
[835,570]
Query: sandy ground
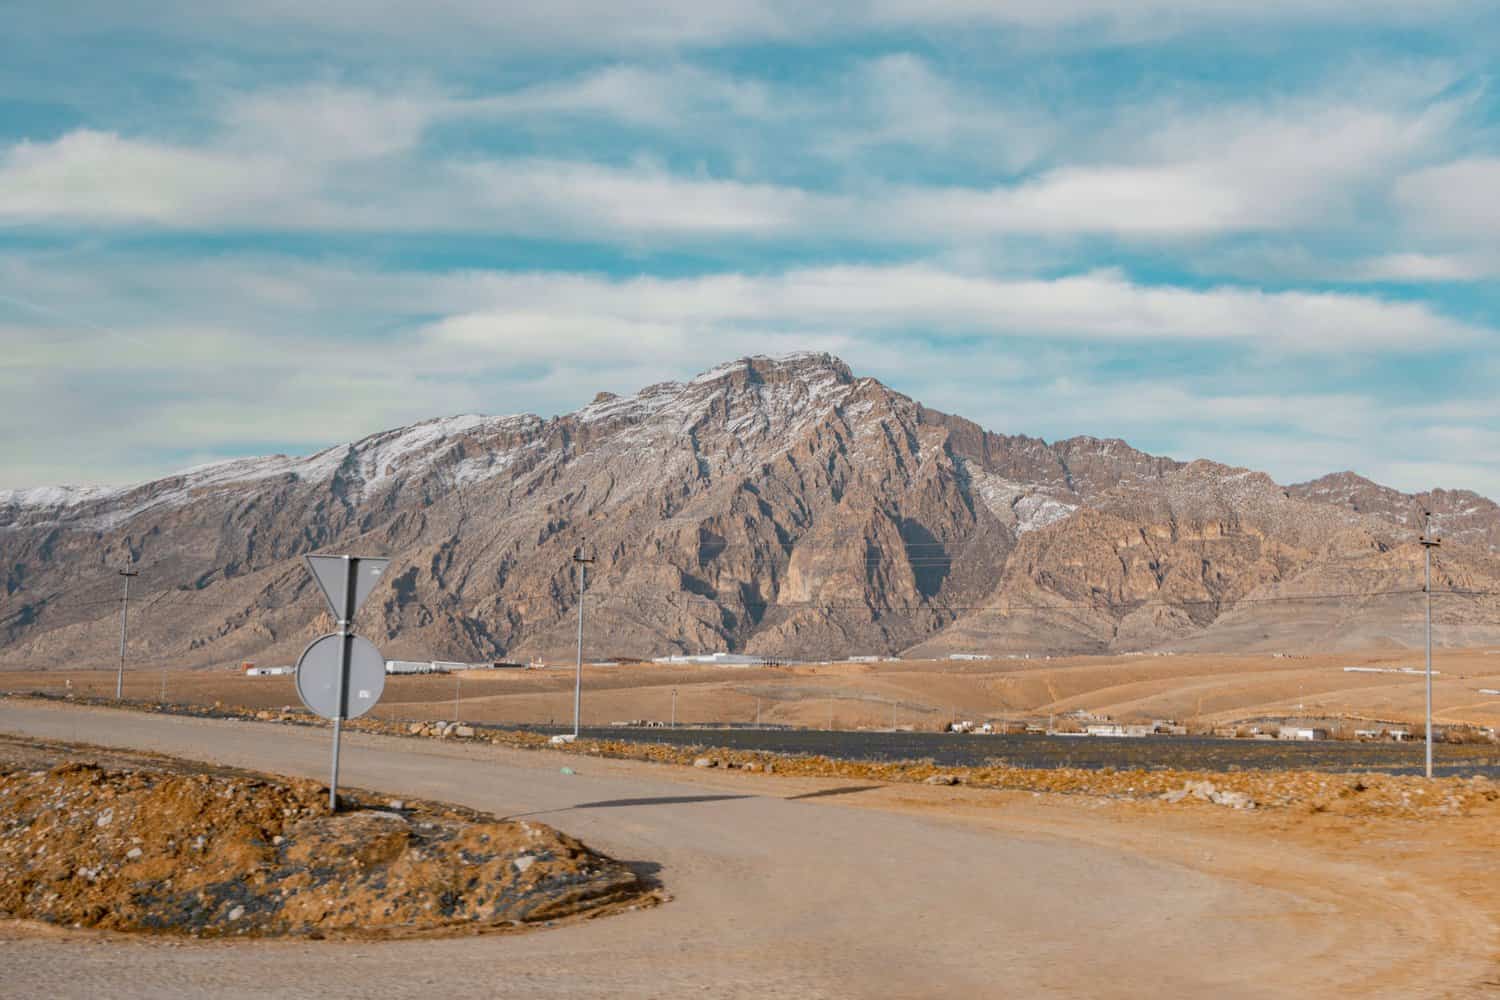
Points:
[817,888]
[1206,690]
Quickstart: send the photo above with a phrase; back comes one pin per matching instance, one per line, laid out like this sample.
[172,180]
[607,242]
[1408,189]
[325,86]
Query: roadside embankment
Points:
[146,843]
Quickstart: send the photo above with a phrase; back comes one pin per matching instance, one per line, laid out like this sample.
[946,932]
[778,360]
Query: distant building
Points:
[1302,733]
[446,666]
[714,659]
[970,656]
[1119,729]
[254,671]
[408,666]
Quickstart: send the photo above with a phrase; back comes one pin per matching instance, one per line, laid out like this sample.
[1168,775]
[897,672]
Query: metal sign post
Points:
[1429,542]
[583,569]
[341,676]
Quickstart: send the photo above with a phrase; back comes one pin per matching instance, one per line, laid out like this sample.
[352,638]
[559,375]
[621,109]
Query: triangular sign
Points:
[335,574]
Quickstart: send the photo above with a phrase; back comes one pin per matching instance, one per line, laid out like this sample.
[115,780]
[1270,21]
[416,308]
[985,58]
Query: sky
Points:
[1264,233]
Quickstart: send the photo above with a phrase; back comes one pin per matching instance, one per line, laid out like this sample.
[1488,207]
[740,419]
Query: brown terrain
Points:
[778,506]
[1204,691]
[133,842]
[825,884]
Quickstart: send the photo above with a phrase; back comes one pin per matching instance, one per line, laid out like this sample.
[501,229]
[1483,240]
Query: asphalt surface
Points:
[773,895]
[1199,753]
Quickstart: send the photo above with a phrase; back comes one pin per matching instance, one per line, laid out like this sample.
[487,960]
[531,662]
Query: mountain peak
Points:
[773,367]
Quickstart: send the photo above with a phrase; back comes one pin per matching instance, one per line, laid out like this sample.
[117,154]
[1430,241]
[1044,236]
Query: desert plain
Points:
[1204,691]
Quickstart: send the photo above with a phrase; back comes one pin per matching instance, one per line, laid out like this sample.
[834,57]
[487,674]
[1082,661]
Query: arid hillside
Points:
[776,505]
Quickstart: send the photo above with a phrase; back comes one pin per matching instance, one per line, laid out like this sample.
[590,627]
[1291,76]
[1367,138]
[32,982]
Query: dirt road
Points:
[779,891]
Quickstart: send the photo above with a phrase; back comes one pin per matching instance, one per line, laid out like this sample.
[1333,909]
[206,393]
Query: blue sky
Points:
[1267,233]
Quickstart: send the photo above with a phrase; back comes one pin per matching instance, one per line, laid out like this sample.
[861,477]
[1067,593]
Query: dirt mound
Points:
[236,854]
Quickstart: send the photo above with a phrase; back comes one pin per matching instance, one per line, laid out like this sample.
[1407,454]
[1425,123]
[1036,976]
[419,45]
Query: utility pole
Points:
[674,708]
[124,614]
[581,565]
[457,682]
[1429,542]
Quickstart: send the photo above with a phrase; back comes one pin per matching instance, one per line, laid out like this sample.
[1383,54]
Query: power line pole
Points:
[581,564]
[674,708]
[1428,544]
[124,614]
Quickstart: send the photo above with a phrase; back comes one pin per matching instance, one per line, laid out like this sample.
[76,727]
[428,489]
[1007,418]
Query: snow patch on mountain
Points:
[1037,511]
[1022,506]
[56,496]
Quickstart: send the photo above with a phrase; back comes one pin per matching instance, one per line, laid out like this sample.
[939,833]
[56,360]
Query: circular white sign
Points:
[318,676]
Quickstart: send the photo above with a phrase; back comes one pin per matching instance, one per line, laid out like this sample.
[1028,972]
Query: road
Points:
[779,888]
[1199,753]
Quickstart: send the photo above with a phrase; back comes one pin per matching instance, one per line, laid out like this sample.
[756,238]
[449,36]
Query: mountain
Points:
[774,505]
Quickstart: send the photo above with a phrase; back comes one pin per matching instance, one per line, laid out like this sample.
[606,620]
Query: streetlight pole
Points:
[124,614]
[582,567]
[1428,544]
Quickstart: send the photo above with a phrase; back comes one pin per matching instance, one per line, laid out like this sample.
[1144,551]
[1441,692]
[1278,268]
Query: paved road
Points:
[774,896]
[1195,753]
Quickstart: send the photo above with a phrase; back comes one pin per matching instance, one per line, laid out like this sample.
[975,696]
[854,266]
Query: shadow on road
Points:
[845,790]
[646,871]
[663,800]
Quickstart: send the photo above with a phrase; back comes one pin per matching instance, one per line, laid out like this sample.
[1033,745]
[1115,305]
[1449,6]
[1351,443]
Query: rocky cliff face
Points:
[781,506]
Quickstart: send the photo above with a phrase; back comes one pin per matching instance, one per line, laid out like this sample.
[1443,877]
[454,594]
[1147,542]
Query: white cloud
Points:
[464,27]
[1100,306]
[330,158]
[99,177]
[661,97]
[1428,267]
[1152,18]
[581,199]
[227,354]
[1457,198]
[322,123]
[900,101]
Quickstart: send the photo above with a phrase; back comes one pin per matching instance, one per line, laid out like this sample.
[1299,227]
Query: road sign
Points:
[341,676]
[346,581]
[320,680]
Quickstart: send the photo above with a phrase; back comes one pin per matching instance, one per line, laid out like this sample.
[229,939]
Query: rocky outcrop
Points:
[775,505]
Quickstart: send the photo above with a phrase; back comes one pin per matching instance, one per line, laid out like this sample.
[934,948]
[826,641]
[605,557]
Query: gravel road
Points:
[778,891]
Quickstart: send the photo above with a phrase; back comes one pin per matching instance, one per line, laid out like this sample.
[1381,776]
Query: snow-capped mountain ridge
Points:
[778,504]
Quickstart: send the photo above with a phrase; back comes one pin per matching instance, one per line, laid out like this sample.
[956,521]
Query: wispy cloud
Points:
[1102,306]
[1256,232]
[1457,198]
[467,26]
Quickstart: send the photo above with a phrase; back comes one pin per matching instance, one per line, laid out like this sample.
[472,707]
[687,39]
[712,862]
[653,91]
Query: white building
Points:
[1119,729]
[714,659]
